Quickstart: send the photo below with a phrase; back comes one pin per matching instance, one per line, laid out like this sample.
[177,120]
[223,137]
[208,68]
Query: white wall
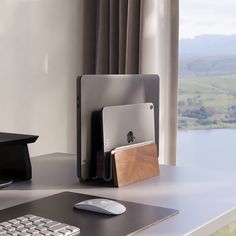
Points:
[40,57]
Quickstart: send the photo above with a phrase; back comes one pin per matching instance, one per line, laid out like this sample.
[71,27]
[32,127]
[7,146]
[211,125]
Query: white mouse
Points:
[101,205]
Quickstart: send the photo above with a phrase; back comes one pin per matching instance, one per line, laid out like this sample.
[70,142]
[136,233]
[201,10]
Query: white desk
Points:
[199,195]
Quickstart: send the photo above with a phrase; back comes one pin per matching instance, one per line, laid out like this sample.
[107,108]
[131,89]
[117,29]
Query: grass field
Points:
[206,103]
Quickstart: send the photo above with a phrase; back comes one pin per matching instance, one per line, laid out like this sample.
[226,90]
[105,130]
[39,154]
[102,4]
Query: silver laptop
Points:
[97,91]
[127,124]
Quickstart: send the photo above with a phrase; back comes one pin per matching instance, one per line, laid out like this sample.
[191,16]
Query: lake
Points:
[214,149]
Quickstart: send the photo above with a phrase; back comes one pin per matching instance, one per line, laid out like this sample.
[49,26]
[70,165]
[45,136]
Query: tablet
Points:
[127,124]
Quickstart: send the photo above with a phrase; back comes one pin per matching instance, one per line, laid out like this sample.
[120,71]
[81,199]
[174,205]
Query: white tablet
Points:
[127,124]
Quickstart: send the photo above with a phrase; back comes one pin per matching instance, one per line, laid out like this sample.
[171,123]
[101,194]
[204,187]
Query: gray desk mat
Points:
[59,207]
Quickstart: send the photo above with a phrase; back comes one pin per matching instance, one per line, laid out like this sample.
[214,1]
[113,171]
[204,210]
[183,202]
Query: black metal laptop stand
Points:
[14,157]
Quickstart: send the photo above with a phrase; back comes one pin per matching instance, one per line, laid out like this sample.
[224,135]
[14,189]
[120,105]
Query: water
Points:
[215,149]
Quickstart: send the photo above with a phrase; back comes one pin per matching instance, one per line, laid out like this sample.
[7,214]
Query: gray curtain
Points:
[159,41]
[137,36]
[112,37]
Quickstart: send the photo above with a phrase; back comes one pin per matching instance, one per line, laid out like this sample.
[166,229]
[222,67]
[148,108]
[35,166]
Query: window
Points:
[207,84]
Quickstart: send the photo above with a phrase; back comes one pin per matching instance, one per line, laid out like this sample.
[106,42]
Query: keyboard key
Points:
[32,231]
[46,232]
[41,228]
[14,221]
[21,218]
[65,232]
[30,226]
[9,228]
[29,216]
[17,225]
[72,229]
[21,230]
[24,234]
[13,233]
[46,221]
[35,219]
[57,234]
[38,223]
[26,222]
[5,224]
[51,224]
[57,227]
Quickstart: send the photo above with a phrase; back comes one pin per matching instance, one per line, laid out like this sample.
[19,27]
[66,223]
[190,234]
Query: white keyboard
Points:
[28,225]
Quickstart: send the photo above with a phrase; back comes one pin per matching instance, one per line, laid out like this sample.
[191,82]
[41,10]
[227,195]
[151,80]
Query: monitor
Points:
[97,91]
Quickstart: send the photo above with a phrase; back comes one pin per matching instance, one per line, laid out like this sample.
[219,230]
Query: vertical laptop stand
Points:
[14,155]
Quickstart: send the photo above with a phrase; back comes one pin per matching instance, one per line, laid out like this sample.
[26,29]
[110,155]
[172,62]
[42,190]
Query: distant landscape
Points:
[207,82]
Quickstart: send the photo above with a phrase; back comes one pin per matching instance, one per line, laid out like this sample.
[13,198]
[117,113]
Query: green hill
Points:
[207,66]
[207,103]
[207,85]
[207,55]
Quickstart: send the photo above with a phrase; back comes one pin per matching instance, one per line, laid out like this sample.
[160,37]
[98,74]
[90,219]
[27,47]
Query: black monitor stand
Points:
[14,157]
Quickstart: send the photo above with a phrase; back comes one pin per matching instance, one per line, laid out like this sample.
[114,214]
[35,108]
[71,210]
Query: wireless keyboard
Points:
[28,225]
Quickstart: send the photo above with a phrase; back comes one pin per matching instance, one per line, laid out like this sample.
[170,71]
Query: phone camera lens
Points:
[151,107]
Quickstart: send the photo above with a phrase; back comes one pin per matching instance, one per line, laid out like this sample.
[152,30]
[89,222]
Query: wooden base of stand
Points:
[135,164]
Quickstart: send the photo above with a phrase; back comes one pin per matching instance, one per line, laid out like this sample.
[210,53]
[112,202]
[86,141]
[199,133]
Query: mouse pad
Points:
[59,207]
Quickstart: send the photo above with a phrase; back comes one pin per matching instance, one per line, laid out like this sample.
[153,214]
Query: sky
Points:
[199,17]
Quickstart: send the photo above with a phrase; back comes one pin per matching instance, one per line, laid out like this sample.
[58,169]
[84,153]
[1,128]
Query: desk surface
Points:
[199,195]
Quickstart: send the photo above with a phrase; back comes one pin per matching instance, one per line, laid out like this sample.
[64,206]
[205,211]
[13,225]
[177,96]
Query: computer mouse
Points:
[101,205]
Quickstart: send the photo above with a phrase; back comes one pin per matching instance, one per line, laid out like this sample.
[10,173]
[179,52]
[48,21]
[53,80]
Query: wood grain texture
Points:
[135,164]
